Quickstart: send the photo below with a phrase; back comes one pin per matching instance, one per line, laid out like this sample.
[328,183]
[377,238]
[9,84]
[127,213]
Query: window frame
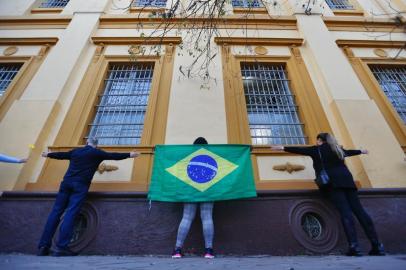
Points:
[150,110]
[309,104]
[35,9]
[17,86]
[356,11]
[13,60]
[250,10]
[287,71]
[375,92]
[82,111]
[310,111]
[146,9]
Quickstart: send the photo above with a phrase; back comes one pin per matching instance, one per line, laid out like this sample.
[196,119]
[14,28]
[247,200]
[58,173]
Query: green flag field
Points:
[201,173]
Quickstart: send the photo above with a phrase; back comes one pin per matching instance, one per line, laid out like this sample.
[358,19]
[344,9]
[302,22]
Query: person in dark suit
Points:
[83,163]
[341,191]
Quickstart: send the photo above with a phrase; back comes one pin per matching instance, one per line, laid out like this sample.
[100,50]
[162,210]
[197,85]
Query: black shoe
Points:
[354,251]
[43,251]
[377,250]
[59,252]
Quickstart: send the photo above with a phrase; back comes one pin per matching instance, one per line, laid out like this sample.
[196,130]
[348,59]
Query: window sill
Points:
[267,151]
[146,9]
[46,10]
[354,12]
[250,11]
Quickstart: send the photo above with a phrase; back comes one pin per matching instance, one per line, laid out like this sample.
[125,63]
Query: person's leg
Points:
[364,219]
[76,200]
[206,214]
[61,201]
[189,212]
[339,199]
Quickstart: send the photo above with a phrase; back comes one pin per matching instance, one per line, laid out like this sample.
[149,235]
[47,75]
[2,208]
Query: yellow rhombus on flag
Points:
[224,167]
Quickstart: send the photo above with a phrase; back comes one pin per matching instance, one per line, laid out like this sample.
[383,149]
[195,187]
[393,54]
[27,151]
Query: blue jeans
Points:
[69,199]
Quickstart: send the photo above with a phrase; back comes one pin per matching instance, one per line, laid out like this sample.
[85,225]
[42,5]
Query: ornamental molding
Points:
[289,167]
[106,168]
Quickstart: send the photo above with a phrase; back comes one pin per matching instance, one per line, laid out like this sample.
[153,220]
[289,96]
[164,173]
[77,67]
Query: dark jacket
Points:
[84,162]
[336,169]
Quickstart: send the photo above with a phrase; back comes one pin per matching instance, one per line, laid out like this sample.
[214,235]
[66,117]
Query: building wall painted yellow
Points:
[38,115]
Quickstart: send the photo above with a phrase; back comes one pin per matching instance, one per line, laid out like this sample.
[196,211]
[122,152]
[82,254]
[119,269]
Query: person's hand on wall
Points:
[134,154]
[364,151]
[277,147]
[23,160]
[45,154]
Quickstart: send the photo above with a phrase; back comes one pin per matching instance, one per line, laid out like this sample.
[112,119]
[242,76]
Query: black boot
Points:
[43,251]
[354,250]
[63,252]
[377,250]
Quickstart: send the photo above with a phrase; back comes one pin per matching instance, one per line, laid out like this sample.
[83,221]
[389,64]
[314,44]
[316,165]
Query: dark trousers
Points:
[347,202]
[69,199]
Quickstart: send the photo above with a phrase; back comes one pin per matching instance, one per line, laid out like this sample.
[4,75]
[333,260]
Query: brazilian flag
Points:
[200,173]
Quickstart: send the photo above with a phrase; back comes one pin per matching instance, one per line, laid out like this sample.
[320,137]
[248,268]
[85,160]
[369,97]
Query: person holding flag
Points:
[198,175]
[189,213]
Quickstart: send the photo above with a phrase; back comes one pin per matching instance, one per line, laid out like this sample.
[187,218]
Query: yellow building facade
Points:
[282,74]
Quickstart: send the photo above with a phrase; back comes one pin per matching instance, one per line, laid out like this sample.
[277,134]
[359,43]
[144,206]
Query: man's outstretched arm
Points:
[118,156]
[57,155]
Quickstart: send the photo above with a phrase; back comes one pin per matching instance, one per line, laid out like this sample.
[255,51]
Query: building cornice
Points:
[258,21]
[29,41]
[135,40]
[362,24]
[370,43]
[259,41]
[31,22]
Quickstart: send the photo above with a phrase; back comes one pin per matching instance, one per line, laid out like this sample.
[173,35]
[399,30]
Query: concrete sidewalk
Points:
[30,262]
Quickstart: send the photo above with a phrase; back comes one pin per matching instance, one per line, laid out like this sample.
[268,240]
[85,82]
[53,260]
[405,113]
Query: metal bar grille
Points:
[272,111]
[120,114]
[339,4]
[246,3]
[149,3]
[393,83]
[7,74]
[54,3]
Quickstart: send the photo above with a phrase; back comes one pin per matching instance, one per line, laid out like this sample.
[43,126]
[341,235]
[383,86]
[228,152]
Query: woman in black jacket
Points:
[341,191]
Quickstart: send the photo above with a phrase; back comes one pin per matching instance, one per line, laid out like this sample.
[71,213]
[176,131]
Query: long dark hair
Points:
[332,142]
[200,140]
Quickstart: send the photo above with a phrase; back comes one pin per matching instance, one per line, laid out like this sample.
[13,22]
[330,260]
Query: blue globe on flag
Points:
[202,169]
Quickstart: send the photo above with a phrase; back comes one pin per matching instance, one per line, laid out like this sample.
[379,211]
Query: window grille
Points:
[54,3]
[149,3]
[339,4]
[393,83]
[246,3]
[272,112]
[7,74]
[312,225]
[120,114]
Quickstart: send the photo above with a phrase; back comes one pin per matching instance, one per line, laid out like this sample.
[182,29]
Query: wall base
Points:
[125,223]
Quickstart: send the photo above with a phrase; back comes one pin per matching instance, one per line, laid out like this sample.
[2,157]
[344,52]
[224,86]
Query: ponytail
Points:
[332,142]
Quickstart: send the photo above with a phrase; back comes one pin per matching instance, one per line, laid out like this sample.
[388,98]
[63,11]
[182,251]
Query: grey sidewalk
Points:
[17,261]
